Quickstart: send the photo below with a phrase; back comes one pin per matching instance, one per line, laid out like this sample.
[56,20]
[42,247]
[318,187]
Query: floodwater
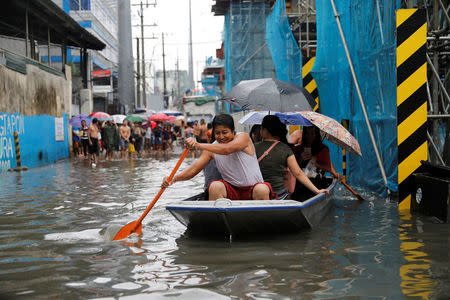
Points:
[53,244]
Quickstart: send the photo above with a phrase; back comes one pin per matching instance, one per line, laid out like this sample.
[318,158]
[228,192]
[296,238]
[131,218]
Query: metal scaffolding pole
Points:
[434,65]
[361,100]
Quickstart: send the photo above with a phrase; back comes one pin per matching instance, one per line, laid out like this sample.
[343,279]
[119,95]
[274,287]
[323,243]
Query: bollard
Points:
[19,166]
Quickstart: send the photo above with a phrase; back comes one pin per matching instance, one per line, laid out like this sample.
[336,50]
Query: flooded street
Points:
[52,244]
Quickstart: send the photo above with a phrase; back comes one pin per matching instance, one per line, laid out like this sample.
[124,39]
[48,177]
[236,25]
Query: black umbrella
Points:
[270,94]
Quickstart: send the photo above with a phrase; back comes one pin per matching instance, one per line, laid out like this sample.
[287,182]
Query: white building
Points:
[100,18]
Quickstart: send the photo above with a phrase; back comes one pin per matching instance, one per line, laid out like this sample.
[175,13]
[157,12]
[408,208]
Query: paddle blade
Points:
[359,197]
[130,228]
[353,192]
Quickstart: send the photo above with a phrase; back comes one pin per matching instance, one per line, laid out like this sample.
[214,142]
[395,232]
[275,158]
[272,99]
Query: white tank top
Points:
[239,168]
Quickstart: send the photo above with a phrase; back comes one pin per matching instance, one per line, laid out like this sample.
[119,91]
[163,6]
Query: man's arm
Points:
[191,171]
[239,143]
[89,134]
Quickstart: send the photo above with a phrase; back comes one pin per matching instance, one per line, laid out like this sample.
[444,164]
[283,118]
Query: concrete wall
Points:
[37,105]
[35,93]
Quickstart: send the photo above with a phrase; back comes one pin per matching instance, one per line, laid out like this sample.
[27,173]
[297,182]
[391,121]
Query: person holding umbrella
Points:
[312,154]
[76,141]
[84,138]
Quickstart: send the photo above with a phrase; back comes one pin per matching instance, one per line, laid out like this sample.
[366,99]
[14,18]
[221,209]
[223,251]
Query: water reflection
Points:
[416,271]
[54,244]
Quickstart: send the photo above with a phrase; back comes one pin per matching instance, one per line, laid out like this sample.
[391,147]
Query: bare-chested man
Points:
[203,136]
[196,130]
[125,133]
[93,131]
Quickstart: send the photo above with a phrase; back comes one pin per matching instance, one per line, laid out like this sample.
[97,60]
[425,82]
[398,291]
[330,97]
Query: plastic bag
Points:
[310,170]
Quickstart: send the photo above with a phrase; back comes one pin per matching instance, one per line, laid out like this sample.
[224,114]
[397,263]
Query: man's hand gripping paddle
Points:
[136,226]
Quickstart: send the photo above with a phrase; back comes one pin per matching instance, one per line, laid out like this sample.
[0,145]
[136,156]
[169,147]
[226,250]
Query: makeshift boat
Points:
[250,217]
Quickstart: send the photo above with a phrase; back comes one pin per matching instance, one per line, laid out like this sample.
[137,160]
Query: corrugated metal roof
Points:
[44,15]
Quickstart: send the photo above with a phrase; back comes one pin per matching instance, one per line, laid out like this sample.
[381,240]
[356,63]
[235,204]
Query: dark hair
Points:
[256,129]
[317,144]
[95,120]
[223,120]
[277,129]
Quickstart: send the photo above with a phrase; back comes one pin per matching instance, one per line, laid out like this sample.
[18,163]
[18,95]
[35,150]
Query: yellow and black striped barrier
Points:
[308,81]
[19,166]
[411,97]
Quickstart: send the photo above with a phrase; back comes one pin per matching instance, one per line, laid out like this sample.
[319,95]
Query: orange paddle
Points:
[353,192]
[136,226]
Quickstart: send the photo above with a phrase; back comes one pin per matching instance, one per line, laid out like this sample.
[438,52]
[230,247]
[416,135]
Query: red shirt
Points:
[322,158]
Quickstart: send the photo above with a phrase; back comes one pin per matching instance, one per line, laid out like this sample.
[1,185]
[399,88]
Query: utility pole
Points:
[178,94]
[126,64]
[143,73]
[138,75]
[164,73]
[191,63]
[144,93]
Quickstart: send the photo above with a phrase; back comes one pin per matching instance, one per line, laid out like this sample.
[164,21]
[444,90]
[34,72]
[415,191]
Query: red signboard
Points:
[101,73]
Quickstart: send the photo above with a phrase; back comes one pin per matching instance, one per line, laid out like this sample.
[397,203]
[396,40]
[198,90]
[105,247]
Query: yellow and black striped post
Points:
[411,97]
[344,154]
[19,166]
[308,81]
[16,142]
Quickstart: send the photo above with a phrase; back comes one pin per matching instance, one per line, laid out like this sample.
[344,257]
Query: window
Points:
[80,4]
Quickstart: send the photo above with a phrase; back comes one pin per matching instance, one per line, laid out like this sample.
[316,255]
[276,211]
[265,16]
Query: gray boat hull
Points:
[249,217]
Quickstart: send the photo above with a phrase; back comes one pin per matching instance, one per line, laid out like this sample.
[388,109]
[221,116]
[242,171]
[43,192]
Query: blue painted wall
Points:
[36,139]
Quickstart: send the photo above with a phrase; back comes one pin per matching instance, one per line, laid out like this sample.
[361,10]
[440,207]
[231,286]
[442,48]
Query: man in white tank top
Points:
[236,161]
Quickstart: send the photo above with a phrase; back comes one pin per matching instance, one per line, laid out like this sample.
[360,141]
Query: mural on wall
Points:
[43,139]
[9,123]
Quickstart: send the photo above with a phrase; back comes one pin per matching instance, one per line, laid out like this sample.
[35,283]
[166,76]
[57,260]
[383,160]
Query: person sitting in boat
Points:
[274,156]
[211,172]
[235,158]
[255,133]
[314,157]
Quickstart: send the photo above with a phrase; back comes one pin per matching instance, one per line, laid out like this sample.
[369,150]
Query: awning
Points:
[44,18]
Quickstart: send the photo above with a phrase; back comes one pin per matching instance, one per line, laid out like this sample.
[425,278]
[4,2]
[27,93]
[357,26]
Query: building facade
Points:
[98,93]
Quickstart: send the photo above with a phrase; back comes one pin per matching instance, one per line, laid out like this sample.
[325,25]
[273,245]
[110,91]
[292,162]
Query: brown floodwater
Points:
[55,221]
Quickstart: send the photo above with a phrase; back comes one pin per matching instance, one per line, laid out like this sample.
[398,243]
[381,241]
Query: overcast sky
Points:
[172,18]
